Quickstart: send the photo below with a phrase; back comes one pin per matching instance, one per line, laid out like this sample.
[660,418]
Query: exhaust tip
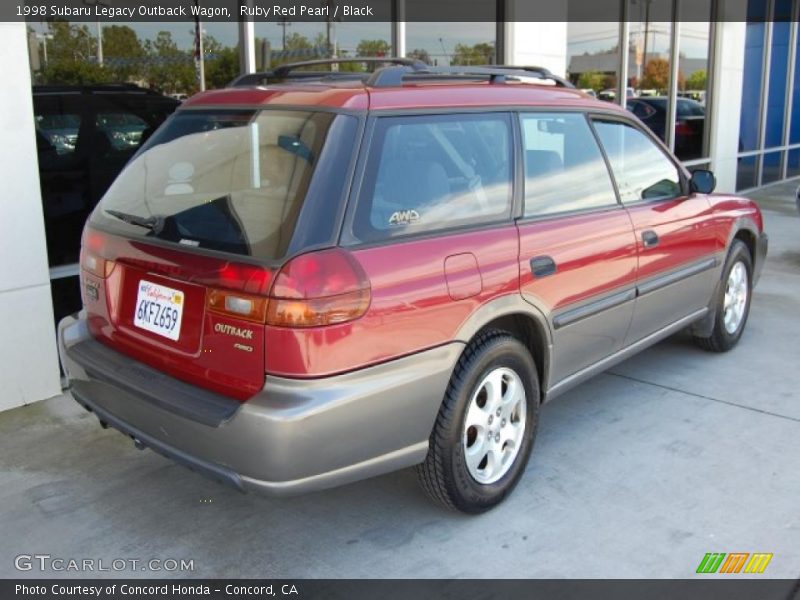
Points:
[138,443]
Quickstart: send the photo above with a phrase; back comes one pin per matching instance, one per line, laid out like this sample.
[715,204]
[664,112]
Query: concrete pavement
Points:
[637,473]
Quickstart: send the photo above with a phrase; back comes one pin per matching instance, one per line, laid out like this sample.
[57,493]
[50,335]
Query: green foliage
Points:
[592,80]
[697,80]
[479,54]
[71,72]
[420,54]
[123,53]
[373,48]
[71,42]
[169,69]
[223,68]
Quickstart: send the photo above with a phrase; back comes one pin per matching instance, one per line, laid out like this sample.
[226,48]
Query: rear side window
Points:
[434,172]
[641,169]
[58,123]
[230,181]
[564,169]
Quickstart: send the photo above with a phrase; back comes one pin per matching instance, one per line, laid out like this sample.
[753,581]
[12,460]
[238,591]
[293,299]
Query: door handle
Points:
[649,238]
[542,266]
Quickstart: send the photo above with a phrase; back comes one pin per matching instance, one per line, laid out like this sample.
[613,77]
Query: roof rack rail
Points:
[394,76]
[291,70]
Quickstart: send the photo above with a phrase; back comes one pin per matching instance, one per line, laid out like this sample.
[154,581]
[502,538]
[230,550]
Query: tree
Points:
[170,69]
[71,57]
[479,54]
[420,54]
[123,53]
[697,80]
[373,48]
[296,41]
[591,80]
[72,72]
[70,43]
[656,74]
[221,62]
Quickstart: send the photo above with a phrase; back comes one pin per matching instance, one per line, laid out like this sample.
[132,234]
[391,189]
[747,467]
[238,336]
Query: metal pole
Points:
[399,27]
[672,83]
[99,42]
[247,45]
[624,56]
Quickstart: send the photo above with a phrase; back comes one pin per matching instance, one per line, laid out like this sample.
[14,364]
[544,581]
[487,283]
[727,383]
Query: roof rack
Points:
[401,69]
[291,70]
[394,76]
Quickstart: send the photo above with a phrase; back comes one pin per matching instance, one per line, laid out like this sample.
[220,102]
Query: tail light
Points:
[683,128]
[318,289]
[91,261]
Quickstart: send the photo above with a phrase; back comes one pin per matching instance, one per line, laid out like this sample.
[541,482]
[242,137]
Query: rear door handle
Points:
[649,238]
[542,266]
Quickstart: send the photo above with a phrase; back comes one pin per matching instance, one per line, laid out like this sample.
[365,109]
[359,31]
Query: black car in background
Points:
[690,120]
[84,136]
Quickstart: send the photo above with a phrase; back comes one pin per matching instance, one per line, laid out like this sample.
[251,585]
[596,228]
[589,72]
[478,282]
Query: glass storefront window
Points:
[793,163]
[593,55]
[286,41]
[794,131]
[753,70]
[779,64]
[691,128]
[445,44]
[771,167]
[746,173]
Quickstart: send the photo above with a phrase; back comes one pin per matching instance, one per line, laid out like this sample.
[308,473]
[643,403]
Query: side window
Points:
[641,109]
[433,172]
[118,133]
[642,170]
[57,126]
[564,168]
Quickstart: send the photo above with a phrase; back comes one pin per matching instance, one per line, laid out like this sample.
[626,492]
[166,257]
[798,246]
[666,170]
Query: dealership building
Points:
[736,63]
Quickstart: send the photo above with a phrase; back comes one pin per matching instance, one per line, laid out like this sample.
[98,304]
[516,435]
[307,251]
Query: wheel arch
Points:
[522,320]
[745,230]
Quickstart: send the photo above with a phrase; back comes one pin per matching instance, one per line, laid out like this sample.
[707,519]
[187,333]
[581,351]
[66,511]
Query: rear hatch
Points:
[179,256]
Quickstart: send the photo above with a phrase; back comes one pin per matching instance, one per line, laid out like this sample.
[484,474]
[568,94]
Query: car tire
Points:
[491,406]
[732,302]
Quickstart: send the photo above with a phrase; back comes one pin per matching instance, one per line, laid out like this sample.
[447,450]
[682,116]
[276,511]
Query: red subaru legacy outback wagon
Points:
[310,278]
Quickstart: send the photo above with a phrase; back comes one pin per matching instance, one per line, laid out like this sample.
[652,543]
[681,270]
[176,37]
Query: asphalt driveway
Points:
[637,473]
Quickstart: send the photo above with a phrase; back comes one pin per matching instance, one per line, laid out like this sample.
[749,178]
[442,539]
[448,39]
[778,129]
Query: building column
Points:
[28,358]
[727,75]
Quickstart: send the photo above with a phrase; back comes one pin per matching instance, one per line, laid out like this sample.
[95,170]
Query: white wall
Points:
[537,44]
[726,106]
[28,359]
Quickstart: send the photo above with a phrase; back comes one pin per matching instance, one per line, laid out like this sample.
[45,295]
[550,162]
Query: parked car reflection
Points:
[689,123]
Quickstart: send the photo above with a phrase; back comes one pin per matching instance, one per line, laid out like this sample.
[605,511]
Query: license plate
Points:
[159,309]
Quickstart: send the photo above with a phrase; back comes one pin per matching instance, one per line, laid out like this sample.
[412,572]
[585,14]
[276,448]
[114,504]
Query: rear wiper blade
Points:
[154,224]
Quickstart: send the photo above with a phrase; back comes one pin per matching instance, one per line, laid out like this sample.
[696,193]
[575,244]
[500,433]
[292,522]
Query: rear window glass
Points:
[231,181]
[435,172]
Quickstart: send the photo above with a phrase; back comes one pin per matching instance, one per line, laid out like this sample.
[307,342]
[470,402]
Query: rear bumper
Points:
[294,436]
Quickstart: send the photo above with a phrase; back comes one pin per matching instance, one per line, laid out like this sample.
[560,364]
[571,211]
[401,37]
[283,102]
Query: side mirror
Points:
[702,182]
